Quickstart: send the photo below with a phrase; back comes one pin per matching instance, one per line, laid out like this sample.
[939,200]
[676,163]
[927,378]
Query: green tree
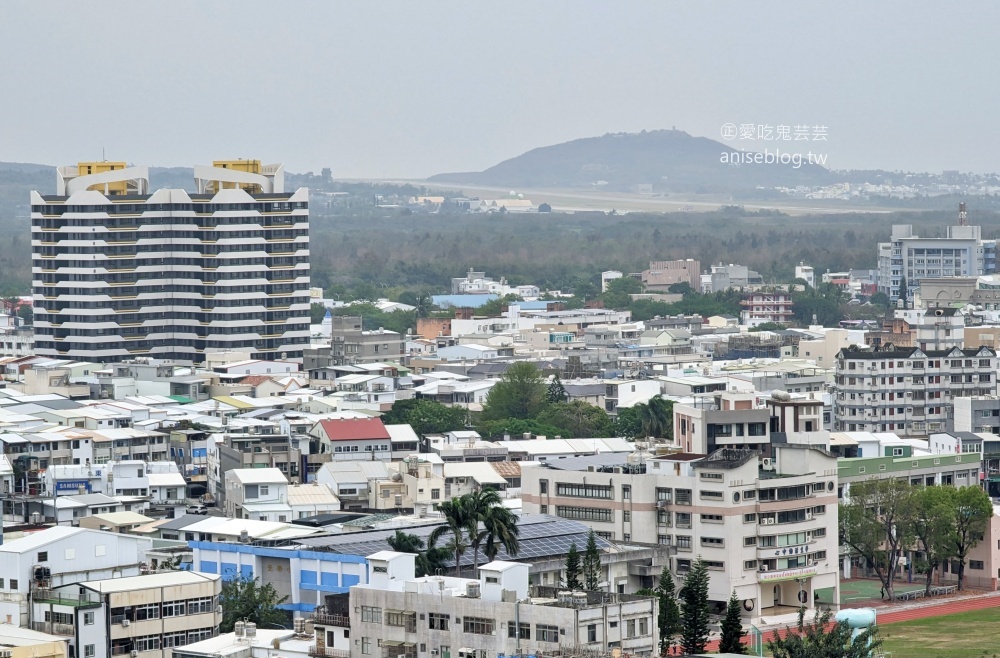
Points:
[880,299]
[680,288]
[877,524]
[577,419]
[971,509]
[573,568]
[495,307]
[246,598]
[520,393]
[317,312]
[904,292]
[669,618]
[428,562]
[556,392]
[516,428]
[26,312]
[425,416]
[656,417]
[823,638]
[591,563]
[694,609]
[732,633]
[619,292]
[498,524]
[930,522]
[627,423]
[768,326]
[456,519]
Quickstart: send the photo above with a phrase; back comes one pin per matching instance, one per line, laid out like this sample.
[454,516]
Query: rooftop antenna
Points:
[963,218]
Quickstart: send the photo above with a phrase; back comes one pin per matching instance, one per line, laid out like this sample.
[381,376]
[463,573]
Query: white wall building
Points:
[125,272]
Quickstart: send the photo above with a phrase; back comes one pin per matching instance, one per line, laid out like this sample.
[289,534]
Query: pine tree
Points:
[732,628]
[573,569]
[669,619]
[556,392]
[694,609]
[591,563]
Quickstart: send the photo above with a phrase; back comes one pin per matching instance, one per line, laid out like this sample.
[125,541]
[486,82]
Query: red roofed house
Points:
[353,438]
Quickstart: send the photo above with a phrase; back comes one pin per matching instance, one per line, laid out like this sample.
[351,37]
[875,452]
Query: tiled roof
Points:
[354,429]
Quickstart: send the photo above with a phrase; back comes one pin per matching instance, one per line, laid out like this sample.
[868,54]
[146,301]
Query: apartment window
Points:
[644,626]
[477,625]
[749,494]
[435,494]
[203,605]
[88,619]
[818,555]
[976,564]
[151,611]
[263,490]
[89,651]
[630,628]
[710,495]
[711,518]
[546,633]
[545,509]
[437,622]
[714,542]
[749,541]
[683,496]
[663,494]
[173,609]
[626,492]
[750,565]
[591,633]
[366,646]
[543,487]
[523,631]
[750,518]
[371,614]
[711,476]
[819,532]
[627,516]
[146,643]
[684,541]
[663,540]
[584,491]
[715,566]
[585,513]
[13,584]
[43,556]
[626,537]
[683,520]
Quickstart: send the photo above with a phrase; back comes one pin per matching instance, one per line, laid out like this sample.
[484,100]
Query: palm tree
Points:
[402,542]
[456,521]
[655,416]
[499,525]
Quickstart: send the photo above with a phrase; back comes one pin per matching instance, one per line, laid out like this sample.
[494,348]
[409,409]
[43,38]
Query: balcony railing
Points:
[324,652]
[53,629]
[324,619]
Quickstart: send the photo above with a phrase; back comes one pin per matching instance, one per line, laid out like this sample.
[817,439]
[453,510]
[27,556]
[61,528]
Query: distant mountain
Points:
[666,160]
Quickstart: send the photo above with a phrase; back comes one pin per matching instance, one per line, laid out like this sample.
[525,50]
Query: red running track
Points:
[907,614]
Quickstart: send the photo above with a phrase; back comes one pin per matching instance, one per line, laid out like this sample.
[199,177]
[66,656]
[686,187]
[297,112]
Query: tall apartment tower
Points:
[119,272]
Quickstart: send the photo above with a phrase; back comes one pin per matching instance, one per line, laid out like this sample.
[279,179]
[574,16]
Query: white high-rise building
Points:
[963,252]
[118,272]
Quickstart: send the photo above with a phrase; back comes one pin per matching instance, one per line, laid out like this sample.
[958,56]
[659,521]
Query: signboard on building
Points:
[73,485]
[787,574]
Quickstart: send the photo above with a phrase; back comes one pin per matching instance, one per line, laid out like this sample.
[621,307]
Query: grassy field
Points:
[966,635]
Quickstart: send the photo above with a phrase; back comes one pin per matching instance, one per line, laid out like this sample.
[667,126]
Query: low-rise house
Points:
[353,438]
[257,493]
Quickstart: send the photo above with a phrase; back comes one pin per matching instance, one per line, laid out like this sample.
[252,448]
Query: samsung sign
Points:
[72,485]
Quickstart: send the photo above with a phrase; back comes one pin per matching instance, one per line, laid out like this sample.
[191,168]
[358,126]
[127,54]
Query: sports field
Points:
[861,590]
[964,635]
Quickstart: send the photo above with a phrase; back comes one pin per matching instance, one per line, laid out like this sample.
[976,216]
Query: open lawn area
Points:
[964,635]
[858,590]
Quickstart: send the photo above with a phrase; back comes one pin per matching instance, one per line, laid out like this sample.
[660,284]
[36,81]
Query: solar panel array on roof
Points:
[539,536]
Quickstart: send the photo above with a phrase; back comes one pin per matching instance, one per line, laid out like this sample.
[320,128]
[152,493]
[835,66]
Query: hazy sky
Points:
[413,88]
